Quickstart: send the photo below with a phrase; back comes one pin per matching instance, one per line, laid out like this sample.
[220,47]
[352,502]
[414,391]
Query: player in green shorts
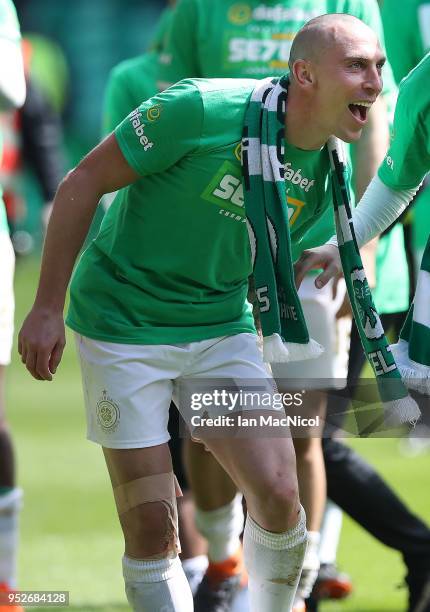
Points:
[159,297]
[12,96]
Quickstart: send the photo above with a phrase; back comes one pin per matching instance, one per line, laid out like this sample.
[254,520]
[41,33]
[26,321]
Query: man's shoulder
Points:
[414,86]
[206,87]
[220,98]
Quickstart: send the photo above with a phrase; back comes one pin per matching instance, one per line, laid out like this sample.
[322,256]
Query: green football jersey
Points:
[408,158]
[407,33]
[227,38]
[172,259]
[9,30]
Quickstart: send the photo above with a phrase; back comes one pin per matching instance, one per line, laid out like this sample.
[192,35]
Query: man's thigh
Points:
[329,370]
[127,391]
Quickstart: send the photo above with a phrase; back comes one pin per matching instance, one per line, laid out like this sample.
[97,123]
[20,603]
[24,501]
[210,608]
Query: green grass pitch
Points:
[70,538]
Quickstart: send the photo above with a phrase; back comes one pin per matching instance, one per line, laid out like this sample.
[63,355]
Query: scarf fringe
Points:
[400,411]
[277,351]
[416,376]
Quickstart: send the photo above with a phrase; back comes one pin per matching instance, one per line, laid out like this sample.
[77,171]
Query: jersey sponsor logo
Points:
[108,414]
[390,162]
[238,152]
[273,51]
[153,113]
[226,191]
[296,178]
[139,129]
[242,13]
[295,207]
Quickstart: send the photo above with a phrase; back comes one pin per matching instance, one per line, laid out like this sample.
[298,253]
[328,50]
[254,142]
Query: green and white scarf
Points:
[285,333]
[412,352]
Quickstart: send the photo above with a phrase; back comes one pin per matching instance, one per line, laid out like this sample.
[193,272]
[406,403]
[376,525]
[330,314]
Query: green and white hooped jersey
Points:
[171,261]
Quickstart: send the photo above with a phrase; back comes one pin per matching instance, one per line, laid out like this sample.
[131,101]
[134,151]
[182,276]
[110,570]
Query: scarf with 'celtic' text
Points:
[285,334]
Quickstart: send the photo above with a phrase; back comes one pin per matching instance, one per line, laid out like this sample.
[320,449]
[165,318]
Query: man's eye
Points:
[356,64]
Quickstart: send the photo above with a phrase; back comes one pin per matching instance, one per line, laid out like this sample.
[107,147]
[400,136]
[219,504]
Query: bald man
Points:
[159,297]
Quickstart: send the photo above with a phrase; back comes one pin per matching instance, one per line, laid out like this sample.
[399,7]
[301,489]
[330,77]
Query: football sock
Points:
[10,505]
[156,585]
[274,562]
[311,565]
[194,569]
[222,528]
[331,527]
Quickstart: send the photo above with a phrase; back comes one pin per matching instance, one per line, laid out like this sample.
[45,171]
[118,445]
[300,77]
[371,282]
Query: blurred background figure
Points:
[12,96]
[33,163]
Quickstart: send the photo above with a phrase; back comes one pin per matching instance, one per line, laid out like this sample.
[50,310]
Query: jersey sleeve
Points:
[408,158]
[179,58]
[162,130]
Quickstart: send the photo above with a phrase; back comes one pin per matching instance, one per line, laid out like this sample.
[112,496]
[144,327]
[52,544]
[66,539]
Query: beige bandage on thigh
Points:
[162,488]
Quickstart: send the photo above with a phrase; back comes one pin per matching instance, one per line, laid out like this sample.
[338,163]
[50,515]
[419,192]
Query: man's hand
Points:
[325,257]
[41,342]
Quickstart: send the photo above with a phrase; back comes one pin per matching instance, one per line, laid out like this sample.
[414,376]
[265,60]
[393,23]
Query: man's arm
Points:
[42,337]
[379,207]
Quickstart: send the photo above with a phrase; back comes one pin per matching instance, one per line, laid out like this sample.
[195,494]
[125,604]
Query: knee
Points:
[279,497]
[149,531]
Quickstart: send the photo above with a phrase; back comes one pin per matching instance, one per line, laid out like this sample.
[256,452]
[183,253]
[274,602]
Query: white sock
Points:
[10,505]
[274,563]
[311,565]
[194,569]
[156,585]
[331,528]
[222,528]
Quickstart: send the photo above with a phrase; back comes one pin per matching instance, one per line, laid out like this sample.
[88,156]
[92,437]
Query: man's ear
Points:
[303,73]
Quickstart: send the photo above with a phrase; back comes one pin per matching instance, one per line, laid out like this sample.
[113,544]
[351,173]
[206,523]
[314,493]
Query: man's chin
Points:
[349,136]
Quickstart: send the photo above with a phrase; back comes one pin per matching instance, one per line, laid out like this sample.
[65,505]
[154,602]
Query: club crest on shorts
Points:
[108,414]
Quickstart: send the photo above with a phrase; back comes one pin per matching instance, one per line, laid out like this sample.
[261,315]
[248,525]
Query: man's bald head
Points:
[320,34]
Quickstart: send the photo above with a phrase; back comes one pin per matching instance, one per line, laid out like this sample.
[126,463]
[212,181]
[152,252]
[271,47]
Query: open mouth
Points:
[360,110]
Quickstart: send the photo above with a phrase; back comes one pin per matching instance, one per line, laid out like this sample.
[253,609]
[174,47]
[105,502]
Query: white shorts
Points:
[330,368]
[128,388]
[7,304]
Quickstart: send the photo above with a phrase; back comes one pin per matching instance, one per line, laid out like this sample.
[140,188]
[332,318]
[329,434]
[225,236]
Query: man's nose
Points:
[374,81]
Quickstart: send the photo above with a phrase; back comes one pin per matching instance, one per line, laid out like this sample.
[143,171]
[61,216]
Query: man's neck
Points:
[301,123]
